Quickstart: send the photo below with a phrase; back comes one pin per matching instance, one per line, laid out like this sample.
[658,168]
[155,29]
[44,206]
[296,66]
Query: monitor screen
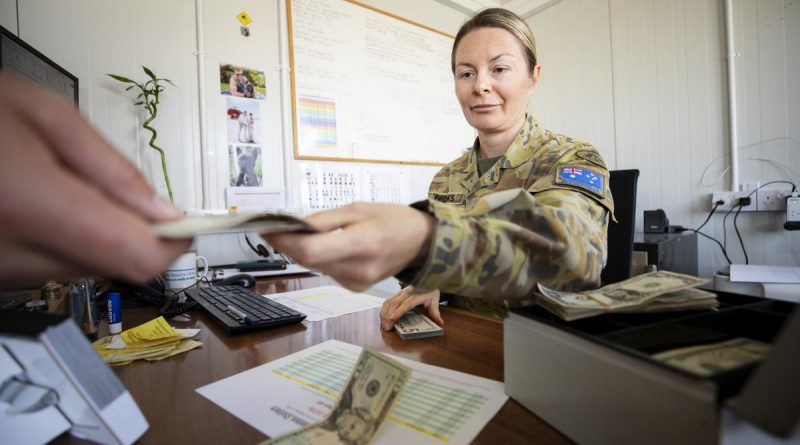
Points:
[23,60]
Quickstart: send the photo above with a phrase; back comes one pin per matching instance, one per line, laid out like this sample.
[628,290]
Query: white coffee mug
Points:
[183,272]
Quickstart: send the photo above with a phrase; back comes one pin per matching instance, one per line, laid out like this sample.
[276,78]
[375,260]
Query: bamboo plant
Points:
[148,94]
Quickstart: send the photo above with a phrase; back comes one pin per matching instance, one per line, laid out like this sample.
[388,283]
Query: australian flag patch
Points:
[583,177]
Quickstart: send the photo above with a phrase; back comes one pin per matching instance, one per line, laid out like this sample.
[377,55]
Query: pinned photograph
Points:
[245,166]
[243,82]
[244,121]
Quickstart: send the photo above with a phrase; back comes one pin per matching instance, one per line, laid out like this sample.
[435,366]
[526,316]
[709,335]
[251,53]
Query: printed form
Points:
[320,303]
[437,405]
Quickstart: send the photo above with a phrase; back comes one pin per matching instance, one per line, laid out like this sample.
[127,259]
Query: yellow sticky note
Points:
[244,18]
[156,329]
[184,346]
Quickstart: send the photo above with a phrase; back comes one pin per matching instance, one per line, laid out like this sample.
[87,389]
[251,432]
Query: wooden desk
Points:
[165,390]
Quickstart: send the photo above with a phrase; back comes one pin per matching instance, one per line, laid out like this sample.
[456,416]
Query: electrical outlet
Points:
[730,200]
[772,200]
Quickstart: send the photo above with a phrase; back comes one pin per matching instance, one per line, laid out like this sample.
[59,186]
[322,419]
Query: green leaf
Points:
[149,73]
[129,88]
[120,78]
[138,103]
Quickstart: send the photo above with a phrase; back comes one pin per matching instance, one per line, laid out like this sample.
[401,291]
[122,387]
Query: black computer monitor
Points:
[25,61]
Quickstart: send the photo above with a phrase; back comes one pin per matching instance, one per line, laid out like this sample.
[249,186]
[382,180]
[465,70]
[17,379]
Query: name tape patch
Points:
[583,177]
[448,197]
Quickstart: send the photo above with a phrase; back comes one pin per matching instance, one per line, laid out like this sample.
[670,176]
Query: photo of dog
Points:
[245,166]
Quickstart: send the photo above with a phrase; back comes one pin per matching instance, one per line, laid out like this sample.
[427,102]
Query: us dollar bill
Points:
[641,288]
[652,292]
[362,409]
[263,223]
[706,360]
[416,325]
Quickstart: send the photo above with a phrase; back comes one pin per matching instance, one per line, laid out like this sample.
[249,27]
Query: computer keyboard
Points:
[239,310]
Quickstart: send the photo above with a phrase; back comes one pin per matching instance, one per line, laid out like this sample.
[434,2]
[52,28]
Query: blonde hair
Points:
[503,19]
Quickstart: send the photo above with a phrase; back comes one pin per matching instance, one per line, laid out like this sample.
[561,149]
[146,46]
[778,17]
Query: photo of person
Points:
[242,82]
[245,166]
[244,121]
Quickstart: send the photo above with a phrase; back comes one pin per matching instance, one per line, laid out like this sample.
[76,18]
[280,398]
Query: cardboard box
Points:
[595,380]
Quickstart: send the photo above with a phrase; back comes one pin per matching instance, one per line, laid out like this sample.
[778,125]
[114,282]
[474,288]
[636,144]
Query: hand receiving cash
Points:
[263,223]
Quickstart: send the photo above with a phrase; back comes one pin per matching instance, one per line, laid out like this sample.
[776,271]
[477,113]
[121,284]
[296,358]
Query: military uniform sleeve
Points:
[553,232]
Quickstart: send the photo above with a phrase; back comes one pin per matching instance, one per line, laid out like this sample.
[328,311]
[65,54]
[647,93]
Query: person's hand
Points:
[375,241]
[70,204]
[405,300]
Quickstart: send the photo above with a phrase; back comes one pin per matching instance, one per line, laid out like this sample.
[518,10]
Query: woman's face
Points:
[492,80]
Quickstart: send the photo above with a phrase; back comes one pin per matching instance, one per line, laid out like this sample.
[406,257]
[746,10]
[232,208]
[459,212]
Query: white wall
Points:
[8,15]
[93,37]
[574,95]
[645,81]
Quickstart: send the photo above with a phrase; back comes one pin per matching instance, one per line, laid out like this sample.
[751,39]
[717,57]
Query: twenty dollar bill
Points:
[416,325]
[361,410]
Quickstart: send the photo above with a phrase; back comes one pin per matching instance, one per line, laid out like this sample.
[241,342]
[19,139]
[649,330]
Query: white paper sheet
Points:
[436,406]
[765,274]
[320,303]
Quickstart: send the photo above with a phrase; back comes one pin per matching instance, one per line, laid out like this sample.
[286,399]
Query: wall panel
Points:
[669,103]
[8,15]
[92,38]
[574,95]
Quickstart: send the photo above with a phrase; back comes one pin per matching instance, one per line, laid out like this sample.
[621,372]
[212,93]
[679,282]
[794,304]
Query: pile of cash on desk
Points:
[659,291]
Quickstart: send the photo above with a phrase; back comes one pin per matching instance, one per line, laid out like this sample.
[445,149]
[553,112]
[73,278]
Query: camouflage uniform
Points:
[527,219]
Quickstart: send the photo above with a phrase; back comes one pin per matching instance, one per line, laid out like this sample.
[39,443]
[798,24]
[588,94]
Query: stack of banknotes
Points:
[362,408]
[263,223]
[659,291]
[415,324]
[715,358]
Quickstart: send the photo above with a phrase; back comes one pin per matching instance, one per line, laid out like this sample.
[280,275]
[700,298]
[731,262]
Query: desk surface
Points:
[165,390]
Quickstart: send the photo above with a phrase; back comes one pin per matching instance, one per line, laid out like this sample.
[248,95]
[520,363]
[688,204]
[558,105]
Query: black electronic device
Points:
[655,221]
[25,61]
[14,301]
[137,294]
[240,279]
[256,265]
[241,310]
[676,252]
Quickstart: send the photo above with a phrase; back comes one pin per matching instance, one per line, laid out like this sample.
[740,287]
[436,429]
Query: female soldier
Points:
[524,205]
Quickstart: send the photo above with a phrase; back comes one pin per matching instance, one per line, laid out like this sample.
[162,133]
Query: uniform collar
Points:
[530,138]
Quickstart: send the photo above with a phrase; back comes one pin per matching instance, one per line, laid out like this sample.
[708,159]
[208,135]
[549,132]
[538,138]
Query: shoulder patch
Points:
[591,156]
[581,176]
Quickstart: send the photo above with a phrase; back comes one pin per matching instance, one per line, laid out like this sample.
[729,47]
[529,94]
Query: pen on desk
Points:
[247,319]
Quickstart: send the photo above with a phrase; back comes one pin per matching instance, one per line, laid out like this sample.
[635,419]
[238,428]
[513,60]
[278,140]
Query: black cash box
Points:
[595,380]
